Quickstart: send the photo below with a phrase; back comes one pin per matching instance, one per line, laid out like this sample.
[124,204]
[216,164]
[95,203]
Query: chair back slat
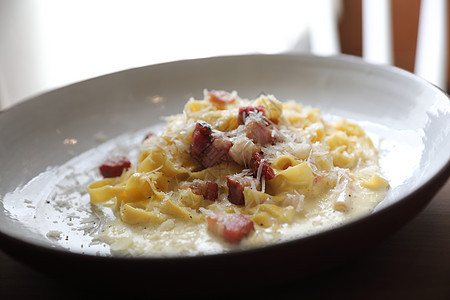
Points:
[431,51]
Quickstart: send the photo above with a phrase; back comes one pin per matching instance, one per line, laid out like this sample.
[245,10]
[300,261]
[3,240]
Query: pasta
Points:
[274,164]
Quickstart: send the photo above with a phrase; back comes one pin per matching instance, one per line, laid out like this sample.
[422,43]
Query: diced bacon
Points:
[259,133]
[237,228]
[232,229]
[236,185]
[216,152]
[114,167]
[208,149]
[201,139]
[221,97]
[261,167]
[148,135]
[277,137]
[318,179]
[244,111]
[208,189]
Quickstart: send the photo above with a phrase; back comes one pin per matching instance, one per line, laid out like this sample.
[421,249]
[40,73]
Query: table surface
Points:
[414,263]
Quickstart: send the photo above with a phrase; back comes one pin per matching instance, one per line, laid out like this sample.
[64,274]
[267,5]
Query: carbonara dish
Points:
[230,173]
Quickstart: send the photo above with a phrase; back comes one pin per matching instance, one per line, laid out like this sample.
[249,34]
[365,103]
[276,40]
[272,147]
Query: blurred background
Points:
[52,43]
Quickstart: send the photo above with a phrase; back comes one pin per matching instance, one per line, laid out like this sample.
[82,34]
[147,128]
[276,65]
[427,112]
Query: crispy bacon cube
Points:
[233,229]
[236,185]
[114,167]
[221,98]
[259,165]
[208,189]
[244,111]
[216,152]
[258,133]
[201,139]
[147,136]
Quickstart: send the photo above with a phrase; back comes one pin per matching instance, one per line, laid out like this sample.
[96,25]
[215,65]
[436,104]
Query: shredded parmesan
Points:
[308,181]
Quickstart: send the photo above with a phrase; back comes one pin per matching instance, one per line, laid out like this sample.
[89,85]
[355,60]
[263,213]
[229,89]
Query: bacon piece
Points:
[237,228]
[318,179]
[236,185]
[258,132]
[201,139]
[244,111]
[221,97]
[150,134]
[277,137]
[216,152]
[232,229]
[208,189]
[206,148]
[259,165]
[114,167]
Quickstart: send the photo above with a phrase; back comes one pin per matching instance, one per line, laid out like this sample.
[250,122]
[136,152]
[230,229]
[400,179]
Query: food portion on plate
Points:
[231,173]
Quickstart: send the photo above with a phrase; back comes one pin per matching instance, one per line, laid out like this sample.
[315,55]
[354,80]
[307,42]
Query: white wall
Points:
[50,43]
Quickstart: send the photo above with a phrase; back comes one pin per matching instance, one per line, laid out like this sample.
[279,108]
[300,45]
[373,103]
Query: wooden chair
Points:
[377,37]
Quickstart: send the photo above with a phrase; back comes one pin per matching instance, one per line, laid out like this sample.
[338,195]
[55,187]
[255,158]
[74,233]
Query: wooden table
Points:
[414,263]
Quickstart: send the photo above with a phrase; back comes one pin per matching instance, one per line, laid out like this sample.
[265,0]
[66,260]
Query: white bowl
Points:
[408,118]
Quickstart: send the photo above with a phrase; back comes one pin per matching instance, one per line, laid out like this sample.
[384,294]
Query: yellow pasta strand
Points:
[132,215]
[104,190]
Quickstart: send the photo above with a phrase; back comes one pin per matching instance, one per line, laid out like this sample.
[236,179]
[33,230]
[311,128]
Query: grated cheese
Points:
[304,196]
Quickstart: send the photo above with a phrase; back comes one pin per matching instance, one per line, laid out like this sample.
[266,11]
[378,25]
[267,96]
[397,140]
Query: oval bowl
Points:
[412,115]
